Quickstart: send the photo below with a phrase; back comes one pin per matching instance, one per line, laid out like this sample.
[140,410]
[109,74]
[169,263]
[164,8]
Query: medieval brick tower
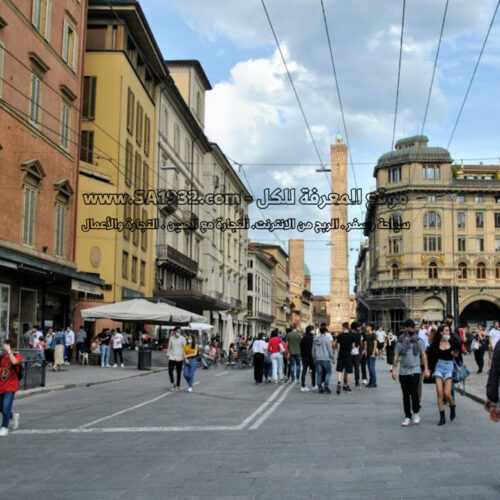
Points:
[339,271]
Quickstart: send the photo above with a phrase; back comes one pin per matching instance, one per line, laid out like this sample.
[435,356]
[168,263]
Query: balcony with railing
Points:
[168,255]
[260,315]
[235,303]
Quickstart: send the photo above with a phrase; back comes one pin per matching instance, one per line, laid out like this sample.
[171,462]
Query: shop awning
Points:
[24,262]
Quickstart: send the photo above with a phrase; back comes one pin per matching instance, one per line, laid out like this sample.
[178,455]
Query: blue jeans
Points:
[277,361]
[371,367]
[105,354]
[189,371]
[324,369]
[295,366]
[268,367]
[6,401]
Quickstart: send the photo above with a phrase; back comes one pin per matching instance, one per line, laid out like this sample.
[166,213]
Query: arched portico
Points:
[481,308]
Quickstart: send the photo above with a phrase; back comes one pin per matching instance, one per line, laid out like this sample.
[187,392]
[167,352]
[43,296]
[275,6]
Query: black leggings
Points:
[362,362]
[409,386]
[178,368]
[479,357]
[308,363]
[116,353]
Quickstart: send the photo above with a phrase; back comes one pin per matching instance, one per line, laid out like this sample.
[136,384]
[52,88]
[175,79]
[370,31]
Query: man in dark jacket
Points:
[491,405]
[306,345]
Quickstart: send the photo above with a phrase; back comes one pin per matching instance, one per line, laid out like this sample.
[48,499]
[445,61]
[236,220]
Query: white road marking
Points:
[126,410]
[262,419]
[80,430]
[261,408]
[88,428]
[121,412]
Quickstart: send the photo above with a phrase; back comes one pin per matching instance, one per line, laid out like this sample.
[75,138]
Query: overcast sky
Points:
[253,115]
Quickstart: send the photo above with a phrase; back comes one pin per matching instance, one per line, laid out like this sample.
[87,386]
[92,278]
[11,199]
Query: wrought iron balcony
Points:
[172,256]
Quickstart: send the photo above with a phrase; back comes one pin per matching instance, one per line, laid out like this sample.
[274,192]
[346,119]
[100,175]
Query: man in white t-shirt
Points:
[381,336]
[422,334]
[35,337]
[494,334]
[69,342]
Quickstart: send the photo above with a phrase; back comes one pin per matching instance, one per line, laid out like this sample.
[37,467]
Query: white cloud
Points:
[254,116]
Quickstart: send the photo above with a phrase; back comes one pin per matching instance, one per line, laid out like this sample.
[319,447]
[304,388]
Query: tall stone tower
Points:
[339,270]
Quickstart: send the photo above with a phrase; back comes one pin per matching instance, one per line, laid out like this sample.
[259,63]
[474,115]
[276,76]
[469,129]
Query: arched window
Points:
[395,272]
[432,219]
[497,271]
[462,271]
[433,271]
[481,271]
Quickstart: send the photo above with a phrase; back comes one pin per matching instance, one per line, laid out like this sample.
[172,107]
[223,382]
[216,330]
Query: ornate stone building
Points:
[449,258]
[281,285]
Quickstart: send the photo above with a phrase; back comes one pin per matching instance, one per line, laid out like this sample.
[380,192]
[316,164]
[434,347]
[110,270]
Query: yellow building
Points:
[448,260]
[123,70]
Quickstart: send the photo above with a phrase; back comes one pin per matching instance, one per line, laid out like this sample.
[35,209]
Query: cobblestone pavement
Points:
[134,439]
[77,375]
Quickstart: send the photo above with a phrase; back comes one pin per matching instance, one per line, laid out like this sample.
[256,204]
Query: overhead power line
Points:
[473,74]
[435,64]
[399,74]
[293,87]
[337,86]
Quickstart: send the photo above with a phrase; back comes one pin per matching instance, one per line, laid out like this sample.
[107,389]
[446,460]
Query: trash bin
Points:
[144,358]
[33,374]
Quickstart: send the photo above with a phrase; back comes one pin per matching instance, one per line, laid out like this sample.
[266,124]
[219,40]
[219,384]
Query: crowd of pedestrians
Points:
[429,352]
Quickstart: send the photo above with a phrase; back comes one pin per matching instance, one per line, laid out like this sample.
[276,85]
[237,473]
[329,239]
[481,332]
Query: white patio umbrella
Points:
[142,310]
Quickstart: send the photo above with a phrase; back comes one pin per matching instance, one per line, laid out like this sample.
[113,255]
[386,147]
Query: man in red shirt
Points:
[9,384]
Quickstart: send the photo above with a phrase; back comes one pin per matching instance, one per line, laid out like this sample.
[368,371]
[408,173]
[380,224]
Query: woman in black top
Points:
[443,351]
[479,346]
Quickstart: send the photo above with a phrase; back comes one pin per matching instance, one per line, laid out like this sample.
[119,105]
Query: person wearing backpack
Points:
[10,366]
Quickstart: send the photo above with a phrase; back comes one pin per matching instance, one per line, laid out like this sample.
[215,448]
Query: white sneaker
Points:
[190,389]
[406,422]
[364,382]
[315,388]
[14,423]
[108,366]
[304,389]
[4,431]
[115,366]
[102,365]
[122,365]
[173,387]
[416,418]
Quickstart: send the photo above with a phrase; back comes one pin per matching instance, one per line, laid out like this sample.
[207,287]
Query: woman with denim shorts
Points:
[443,352]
